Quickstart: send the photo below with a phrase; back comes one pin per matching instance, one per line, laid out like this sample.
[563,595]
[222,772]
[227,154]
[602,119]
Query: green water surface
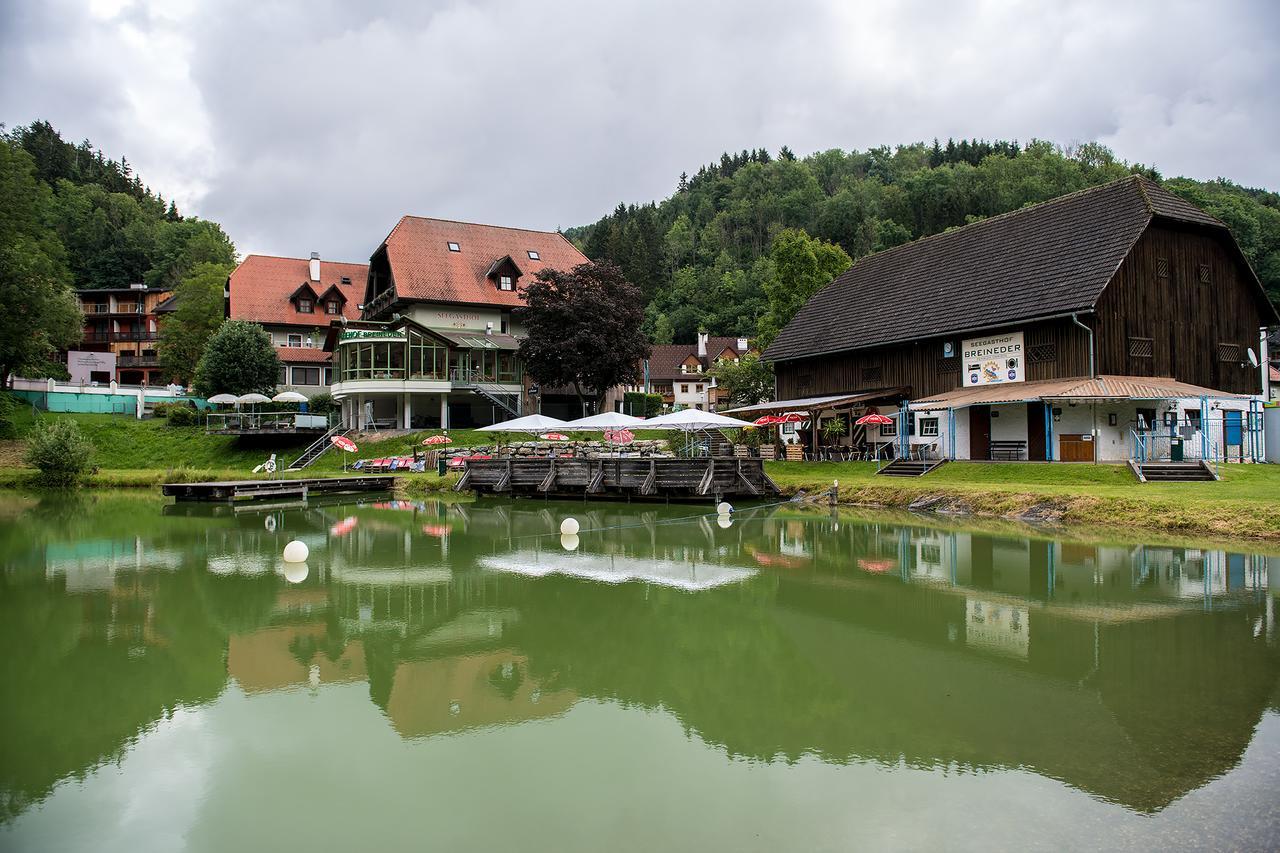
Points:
[454,676]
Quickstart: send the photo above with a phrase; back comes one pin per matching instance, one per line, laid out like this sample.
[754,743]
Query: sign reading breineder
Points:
[993,360]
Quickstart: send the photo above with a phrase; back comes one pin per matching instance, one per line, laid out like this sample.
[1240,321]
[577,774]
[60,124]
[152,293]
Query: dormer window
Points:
[534,256]
[304,305]
[332,307]
[454,247]
[505,283]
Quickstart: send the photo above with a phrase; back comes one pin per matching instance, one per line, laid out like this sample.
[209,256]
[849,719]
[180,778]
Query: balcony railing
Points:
[379,302]
[138,361]
[99,337]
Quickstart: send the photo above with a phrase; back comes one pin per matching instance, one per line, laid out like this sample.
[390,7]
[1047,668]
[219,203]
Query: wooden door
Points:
[1076,447]
[1035,431]
[979,432]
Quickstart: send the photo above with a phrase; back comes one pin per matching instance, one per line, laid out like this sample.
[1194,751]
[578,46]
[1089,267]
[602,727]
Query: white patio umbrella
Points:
[223,399]
[253,398]
[607,421]
[289,397]
[690,420]
[529,423]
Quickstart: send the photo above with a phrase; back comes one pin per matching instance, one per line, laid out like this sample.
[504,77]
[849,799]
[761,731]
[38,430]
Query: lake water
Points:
[450,677]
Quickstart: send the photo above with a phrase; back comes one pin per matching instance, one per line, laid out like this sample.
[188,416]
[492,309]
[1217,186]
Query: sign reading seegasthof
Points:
[993,360]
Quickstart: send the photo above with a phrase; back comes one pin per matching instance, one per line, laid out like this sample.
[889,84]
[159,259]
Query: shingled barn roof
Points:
[1040,261]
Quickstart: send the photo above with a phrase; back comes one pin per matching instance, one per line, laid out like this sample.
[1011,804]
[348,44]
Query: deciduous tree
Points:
[238,360]
[584,329]
[198,313]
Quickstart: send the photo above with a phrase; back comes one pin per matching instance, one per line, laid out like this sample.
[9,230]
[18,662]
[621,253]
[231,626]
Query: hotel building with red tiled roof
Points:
[295,300]
[435,344]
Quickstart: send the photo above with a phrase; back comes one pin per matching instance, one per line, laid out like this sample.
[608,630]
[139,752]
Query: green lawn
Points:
[1244,503]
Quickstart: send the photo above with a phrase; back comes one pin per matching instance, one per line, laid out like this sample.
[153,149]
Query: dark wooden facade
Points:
[1182,304]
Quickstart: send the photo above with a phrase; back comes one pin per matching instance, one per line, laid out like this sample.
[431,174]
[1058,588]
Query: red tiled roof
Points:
[665,360]
[261,286]
[424,268]
[303,355]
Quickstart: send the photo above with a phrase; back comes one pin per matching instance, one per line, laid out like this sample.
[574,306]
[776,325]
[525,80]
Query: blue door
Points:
[1231,426]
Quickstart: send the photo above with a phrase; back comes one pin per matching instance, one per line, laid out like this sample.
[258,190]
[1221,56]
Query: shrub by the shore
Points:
[60,452]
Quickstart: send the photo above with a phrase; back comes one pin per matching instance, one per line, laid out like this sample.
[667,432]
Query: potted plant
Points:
[832,431]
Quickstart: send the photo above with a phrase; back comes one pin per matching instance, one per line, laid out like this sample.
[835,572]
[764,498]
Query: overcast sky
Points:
[314,126]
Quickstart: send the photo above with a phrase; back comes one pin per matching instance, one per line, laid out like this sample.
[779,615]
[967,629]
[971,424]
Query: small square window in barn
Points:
[1141,348]
[1162,267]
[1205,278]
[872,374]
[1042,353]
[1229,353]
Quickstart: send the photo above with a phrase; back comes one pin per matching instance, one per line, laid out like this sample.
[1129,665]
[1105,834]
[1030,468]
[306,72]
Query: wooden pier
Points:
[653,478]
[276,490]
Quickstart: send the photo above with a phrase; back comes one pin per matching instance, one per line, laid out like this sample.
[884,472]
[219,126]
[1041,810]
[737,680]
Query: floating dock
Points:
[260,490]
[623,478]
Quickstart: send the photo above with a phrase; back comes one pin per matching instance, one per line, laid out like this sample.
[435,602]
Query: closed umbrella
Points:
[606,421]
[554,436]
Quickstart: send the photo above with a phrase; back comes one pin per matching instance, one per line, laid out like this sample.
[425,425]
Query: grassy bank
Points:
[1243,503]
[147,453]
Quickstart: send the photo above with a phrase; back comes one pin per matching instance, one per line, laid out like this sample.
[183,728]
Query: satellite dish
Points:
[1253,357]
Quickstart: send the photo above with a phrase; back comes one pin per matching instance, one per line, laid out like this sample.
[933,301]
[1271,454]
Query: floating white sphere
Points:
[724,507]
[569,527]
[569,541]
[295,572]
[724,520]
[296,552]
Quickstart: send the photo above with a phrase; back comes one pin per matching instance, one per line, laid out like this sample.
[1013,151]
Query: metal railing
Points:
[97,337]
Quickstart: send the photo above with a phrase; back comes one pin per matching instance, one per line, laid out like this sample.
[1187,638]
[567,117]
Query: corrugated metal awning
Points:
[1076,388]
[809,404]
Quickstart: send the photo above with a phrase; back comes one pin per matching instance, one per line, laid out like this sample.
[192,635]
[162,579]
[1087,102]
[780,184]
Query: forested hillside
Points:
[72,218]
[115,230]
[725,253]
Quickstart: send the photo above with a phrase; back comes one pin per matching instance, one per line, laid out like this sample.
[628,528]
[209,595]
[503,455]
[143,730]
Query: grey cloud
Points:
[316,126]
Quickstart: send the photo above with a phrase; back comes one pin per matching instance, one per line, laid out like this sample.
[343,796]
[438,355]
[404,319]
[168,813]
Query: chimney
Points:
[702,344]
[315,266]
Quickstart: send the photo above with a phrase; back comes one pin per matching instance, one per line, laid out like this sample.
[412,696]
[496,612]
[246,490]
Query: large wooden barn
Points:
[1114,322]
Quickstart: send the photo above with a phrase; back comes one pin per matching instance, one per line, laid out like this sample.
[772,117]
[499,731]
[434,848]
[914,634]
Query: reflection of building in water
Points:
[997,627]
[688,575]
[91,565]
[467,691]
[278,657]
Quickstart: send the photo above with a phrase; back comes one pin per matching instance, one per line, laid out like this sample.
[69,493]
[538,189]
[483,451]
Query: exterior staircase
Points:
[1172,472]
[909,467]
[317,448]
[509,403]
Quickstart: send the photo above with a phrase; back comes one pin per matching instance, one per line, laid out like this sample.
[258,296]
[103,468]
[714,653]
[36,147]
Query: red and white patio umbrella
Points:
[344,444]
[437,439]
[619,436]
[874,418]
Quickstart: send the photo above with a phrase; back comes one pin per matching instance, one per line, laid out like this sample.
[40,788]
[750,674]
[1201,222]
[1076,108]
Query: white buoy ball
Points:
[569,541]
[296,552]
[724,507]
[295,572]
[569,527]
[724,520]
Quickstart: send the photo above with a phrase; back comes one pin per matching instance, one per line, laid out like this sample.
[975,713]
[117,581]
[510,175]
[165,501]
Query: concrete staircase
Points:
[1173,472]
[909,467]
